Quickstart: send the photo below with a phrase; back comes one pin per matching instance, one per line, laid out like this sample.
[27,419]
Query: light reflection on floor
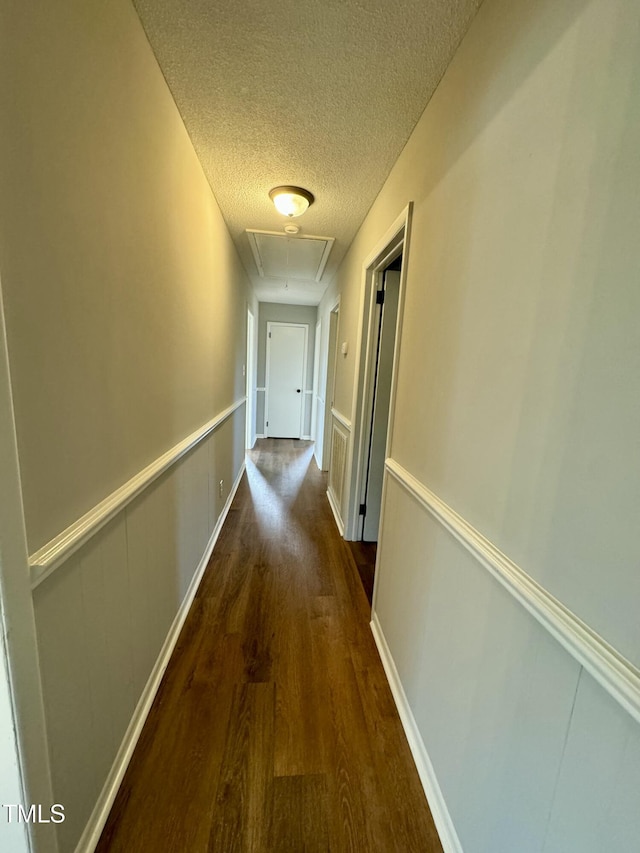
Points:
[274,490]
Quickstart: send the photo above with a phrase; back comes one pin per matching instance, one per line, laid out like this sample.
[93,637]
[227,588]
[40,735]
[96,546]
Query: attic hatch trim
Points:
[252,233]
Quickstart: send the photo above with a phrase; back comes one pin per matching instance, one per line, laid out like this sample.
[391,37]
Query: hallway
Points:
[274,728]
[156,601]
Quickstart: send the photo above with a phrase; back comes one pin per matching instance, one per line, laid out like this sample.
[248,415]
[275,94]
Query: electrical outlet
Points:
[244,370]
[221,488]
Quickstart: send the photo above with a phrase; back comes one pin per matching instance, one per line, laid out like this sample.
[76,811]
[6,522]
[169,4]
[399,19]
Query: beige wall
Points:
[126,311]
[518,405]
[125,300]
[520,356]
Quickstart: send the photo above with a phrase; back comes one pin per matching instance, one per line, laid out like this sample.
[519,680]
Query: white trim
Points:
[335,511]
[439,811]
[261,389]
[325,256]
[60,548]
[260,435]
[332,316]
[308,392]
[317,337]
[619,677]
[100,813]
[346,423]
[251,370]
[256,253]
[251,236]
[24,748]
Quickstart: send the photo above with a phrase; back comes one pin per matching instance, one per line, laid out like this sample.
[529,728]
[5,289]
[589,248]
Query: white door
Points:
[286,368]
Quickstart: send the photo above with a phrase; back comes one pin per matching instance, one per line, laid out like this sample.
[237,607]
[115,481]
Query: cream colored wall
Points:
[124,297]
[517,404]
[522,306]
[126,312]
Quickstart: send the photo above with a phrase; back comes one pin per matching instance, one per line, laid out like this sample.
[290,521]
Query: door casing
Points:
[251,370]
[394,242]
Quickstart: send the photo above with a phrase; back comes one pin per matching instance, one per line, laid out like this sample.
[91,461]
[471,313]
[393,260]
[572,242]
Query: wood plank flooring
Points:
[274,728]
[364,556]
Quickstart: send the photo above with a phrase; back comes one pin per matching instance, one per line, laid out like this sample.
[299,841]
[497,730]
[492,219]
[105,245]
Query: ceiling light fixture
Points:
[291,201]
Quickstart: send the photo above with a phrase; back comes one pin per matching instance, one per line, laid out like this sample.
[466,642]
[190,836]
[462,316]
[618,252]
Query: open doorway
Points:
[386,317]
[379,348]
[364,549]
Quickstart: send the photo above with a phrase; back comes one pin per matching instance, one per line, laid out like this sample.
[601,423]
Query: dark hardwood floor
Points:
[364,556]
[274,728]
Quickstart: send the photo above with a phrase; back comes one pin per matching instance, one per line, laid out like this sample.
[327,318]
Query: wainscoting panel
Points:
[599,783]
[318,450]
[260,410]
[337,468]
[505,729]
[106,622]
[307,404]
[607,665]
[88,670]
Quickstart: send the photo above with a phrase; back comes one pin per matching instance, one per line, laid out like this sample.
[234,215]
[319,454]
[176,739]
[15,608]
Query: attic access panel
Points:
[280,256]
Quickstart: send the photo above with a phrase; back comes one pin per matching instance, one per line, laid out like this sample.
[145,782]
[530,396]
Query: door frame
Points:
[314,390]
[303,390]
[24,748]
[251,371]
[330,381]
[394,242]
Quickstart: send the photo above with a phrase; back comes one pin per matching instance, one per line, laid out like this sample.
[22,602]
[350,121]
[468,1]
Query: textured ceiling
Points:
[319,94]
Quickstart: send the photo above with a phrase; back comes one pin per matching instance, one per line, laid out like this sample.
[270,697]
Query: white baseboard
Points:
[336,512]
[95,825]
[260,435]
[441,817]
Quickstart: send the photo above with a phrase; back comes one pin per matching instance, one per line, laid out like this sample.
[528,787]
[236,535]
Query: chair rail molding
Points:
[52,555]
[343,419]
[617,675]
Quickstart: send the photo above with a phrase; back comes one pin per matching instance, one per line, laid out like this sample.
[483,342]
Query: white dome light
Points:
[291,201]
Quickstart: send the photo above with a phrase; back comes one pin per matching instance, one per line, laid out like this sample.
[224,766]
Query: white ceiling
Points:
[322,95]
